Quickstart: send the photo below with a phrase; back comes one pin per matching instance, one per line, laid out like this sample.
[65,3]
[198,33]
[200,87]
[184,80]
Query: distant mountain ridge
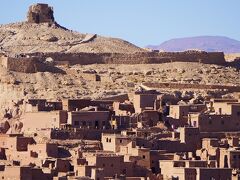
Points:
[205,43]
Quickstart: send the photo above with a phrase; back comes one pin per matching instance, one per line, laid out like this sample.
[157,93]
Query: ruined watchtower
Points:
[40,13]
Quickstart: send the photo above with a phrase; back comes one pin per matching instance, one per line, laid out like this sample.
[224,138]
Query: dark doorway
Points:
[225,161]
[37,18]
[153,169]
[96,124]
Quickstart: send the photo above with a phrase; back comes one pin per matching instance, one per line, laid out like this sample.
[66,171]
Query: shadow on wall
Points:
[52,69]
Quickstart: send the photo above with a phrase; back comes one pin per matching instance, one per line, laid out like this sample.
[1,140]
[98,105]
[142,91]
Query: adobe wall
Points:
[30,63]
[136,58]
[87,134]
[26,64]
[165,57]
[118,98]
[219,135]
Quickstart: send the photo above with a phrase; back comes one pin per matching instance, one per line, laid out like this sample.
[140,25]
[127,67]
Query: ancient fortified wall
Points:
[136,58]
[35,62]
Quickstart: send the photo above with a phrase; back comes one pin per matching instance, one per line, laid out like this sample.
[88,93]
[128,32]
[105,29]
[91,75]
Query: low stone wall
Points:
[91,77]
[191,86]
[119,98]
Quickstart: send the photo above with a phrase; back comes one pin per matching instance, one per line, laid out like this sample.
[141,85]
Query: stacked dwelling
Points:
[156,136]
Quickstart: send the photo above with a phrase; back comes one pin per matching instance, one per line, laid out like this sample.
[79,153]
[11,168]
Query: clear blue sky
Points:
[141,22]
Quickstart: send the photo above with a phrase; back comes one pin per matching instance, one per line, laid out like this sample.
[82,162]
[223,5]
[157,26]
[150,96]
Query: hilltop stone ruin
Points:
[40,13]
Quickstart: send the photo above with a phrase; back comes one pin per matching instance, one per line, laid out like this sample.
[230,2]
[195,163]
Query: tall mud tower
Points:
[40,13]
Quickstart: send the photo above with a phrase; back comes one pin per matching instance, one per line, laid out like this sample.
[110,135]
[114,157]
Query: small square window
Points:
[143,156]
[76,123]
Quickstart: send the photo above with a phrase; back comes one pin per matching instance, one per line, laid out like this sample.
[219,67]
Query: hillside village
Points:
[155,136]
[83,106]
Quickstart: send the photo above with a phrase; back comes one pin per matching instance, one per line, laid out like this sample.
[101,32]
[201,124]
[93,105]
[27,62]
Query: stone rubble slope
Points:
[118,79]
[27,37]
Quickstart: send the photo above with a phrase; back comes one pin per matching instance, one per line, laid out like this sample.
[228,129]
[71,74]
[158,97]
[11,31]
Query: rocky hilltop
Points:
[40,33]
